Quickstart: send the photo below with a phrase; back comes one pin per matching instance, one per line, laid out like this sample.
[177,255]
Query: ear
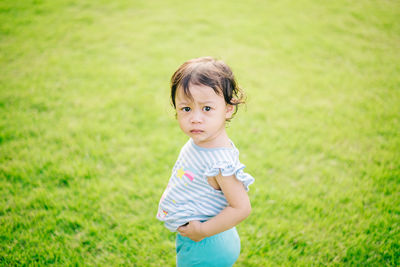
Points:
[229,111]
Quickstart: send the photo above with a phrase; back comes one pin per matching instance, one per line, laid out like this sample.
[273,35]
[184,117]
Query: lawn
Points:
[88,137]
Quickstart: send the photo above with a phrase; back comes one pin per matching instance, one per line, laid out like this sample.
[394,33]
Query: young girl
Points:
[206,196]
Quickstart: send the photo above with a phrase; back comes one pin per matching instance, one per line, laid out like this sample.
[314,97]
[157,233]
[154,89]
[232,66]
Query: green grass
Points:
[88,137]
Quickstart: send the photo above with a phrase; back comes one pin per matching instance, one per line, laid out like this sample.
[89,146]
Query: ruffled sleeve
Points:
[227,168]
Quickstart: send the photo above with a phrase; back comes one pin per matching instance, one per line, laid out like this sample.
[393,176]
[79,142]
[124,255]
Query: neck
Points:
[222,140]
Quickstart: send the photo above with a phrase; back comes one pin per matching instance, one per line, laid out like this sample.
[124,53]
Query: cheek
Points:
[180,116]
[182,127]
[181,120]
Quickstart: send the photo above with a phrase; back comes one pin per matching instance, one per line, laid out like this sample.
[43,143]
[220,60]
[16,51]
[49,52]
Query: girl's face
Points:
[203,117]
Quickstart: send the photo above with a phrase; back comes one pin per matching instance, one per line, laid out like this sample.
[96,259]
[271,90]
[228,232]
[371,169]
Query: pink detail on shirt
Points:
[189,175]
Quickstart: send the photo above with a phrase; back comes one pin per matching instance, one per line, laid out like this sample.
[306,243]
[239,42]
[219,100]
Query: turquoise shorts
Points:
[220,250]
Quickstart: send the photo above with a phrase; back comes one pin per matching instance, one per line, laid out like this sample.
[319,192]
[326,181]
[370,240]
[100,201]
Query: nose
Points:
[196,117]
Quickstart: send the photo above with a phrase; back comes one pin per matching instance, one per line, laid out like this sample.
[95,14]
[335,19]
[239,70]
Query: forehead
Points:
[198,93]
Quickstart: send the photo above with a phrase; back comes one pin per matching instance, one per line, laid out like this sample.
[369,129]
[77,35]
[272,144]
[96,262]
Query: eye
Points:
[185,109]
[207,108]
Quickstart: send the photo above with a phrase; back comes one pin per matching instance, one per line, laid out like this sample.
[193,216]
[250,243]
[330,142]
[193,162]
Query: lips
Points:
[196,131]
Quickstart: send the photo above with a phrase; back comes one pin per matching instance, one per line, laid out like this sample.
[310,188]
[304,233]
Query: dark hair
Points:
[209,72]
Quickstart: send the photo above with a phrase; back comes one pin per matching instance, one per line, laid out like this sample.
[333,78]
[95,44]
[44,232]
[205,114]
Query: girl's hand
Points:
[192,230]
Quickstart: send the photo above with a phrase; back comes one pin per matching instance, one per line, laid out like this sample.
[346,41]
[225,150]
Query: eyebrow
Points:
[183,104]
[201,103]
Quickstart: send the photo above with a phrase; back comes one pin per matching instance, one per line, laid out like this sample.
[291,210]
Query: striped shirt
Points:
[188,195]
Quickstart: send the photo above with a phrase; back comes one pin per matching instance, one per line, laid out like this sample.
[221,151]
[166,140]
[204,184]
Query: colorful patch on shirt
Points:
[180,173]
[189,175]
[162,214]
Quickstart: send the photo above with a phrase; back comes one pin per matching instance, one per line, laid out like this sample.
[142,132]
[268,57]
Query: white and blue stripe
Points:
[188,195]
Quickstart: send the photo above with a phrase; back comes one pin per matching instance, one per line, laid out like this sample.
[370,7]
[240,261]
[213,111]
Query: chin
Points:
[199,141]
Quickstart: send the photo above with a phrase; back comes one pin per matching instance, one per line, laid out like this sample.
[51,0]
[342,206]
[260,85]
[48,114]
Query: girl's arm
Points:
[238,209]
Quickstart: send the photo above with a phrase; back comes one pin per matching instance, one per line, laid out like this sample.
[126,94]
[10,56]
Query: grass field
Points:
[88,137]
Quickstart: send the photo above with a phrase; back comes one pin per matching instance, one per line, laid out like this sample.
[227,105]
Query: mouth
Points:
[196,131]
